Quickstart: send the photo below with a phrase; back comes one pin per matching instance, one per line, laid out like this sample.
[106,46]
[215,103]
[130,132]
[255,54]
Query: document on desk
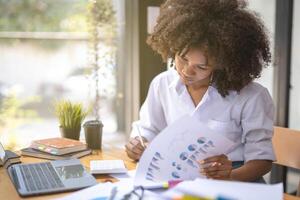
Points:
[101,191]
[129,176]
[216,189]
[109,191]
[173,154]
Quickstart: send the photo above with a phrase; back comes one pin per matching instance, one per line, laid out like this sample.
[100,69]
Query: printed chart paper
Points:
[173,154]
[218,189]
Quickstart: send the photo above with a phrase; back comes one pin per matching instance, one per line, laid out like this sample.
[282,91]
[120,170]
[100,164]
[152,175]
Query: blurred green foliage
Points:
[101,21]
[43,15]
[11,108]
[12,115]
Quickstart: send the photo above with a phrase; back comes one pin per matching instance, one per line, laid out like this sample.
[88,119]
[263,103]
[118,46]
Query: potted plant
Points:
[70,116]
[101,21]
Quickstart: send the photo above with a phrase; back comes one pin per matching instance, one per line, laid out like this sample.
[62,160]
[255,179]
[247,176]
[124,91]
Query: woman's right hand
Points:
[134,148]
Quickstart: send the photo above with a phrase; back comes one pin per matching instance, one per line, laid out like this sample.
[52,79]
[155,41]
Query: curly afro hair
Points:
[233,37]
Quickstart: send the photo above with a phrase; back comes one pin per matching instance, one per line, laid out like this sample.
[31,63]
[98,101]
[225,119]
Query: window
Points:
[44,47]
[294,110]
[266,10]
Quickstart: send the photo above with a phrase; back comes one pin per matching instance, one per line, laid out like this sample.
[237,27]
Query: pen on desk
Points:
[140,137]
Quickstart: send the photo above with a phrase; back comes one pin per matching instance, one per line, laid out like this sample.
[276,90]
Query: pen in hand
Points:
[140,138]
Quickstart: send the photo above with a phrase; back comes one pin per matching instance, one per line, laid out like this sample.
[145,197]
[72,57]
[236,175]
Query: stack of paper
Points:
[107,166]
[215,189]
[199,188]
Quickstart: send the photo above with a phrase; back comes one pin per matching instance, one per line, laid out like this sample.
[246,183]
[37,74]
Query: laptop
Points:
[50,177]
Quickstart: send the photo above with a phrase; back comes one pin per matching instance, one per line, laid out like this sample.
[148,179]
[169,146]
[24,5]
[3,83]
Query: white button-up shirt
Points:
[245,117]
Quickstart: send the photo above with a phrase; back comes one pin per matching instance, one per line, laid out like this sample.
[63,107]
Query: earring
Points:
[172,64]
[211,78]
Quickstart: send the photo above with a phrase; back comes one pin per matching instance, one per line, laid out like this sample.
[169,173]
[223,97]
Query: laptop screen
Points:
[70,171]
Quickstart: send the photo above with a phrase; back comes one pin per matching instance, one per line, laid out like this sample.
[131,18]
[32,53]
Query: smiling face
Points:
[193,68]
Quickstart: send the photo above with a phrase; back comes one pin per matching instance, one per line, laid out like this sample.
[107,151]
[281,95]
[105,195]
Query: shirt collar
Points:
[176,83]
[175,79]
[178,86]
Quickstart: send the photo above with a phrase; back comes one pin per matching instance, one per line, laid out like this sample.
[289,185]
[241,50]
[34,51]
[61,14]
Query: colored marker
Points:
[162,185]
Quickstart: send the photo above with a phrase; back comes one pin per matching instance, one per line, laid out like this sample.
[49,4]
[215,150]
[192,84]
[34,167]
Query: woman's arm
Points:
[152,121]
[220,167]
[251,171]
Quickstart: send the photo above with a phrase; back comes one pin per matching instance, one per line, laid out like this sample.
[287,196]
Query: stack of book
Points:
[8,157]
[56,149]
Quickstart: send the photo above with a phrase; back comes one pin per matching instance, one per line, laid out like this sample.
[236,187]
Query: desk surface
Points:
[8,192]
[7,189]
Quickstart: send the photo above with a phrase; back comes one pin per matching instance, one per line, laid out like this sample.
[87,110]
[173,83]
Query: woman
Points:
[218,48]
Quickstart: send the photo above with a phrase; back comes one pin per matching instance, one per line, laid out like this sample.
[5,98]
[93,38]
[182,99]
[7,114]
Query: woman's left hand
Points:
[216,167]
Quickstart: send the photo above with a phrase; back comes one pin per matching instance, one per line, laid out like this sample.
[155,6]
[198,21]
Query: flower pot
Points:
[93,134]
[71,133]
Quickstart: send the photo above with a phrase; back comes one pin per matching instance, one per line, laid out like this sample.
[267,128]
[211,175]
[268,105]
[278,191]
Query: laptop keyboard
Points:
[40,176]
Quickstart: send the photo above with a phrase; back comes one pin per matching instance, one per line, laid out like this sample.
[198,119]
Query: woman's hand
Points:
[216,167]
[134,148]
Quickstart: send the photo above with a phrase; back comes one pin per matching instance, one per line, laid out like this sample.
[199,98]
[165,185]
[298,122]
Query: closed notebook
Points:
[40,154]
[58,146]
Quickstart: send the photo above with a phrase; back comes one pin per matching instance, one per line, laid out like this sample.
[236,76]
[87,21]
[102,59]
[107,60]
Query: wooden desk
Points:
[8,192]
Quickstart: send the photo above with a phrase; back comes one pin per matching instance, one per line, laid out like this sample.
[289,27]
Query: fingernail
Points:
[201,161]
[205,165]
